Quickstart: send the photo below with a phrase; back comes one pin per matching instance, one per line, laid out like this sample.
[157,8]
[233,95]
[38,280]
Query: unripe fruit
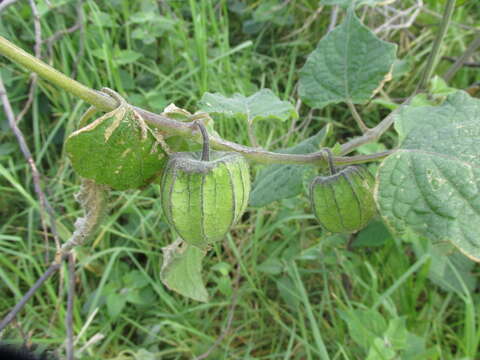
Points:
[343,201]
[202,199]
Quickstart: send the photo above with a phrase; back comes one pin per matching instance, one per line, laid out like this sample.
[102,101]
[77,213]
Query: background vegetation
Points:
[279,287]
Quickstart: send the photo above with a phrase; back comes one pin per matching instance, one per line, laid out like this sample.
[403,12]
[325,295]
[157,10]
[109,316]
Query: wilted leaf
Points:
[431,184]
[264,104]
[278,181]
[349,64]
[182,270]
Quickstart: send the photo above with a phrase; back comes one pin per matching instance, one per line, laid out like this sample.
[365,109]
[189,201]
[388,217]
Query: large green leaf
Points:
[431,184]
[276,182]
[349,64]
[264,104]
[182,270]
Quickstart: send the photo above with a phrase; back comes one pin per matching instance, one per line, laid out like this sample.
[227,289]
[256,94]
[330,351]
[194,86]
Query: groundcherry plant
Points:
[427,185]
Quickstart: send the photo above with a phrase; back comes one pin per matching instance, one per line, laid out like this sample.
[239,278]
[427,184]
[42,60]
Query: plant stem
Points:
[47,72]
[206,146]
[474,45]
[329,156]
[357,117]
[251,135]
[434,53]
[374,133]
[173,127]
[19,306]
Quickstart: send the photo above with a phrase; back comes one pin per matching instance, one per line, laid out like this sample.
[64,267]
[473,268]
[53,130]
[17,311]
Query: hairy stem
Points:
[331,166]
[45,71]
[172,127]
[169,126]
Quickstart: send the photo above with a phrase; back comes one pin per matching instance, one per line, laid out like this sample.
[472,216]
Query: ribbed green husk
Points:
[126,160]
[343,202]
[203,199]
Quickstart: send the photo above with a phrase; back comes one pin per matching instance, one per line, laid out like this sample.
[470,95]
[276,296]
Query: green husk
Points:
[343,202]
[203,199]
[117,150]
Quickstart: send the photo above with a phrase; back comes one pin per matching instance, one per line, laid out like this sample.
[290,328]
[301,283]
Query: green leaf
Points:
[182,270]
[349,64]
[375,234]
[364,325]
[114,150]
[276,182]
[271,266]
[123,57]
[115,304]
[431,184]
[439,87]
[264,104]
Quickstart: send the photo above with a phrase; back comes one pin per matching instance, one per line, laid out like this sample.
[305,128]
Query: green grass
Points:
[302,294]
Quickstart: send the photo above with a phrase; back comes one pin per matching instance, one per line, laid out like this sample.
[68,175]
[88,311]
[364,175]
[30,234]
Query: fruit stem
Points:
[329,157]
[206,145]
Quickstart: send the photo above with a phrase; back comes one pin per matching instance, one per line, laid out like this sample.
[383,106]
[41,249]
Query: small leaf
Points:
[264,104]
[123,57]
[278,181]
[431,184]
[271,266]
[182,270]
[375,234]
[364,325]
[349,64]
[439,87]
[288,291]
[115,304]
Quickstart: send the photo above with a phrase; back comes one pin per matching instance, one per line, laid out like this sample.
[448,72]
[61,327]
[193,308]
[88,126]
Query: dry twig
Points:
[44,204]
[402,19]
[462,60]
[70,299]
[93,199]
[6,3]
